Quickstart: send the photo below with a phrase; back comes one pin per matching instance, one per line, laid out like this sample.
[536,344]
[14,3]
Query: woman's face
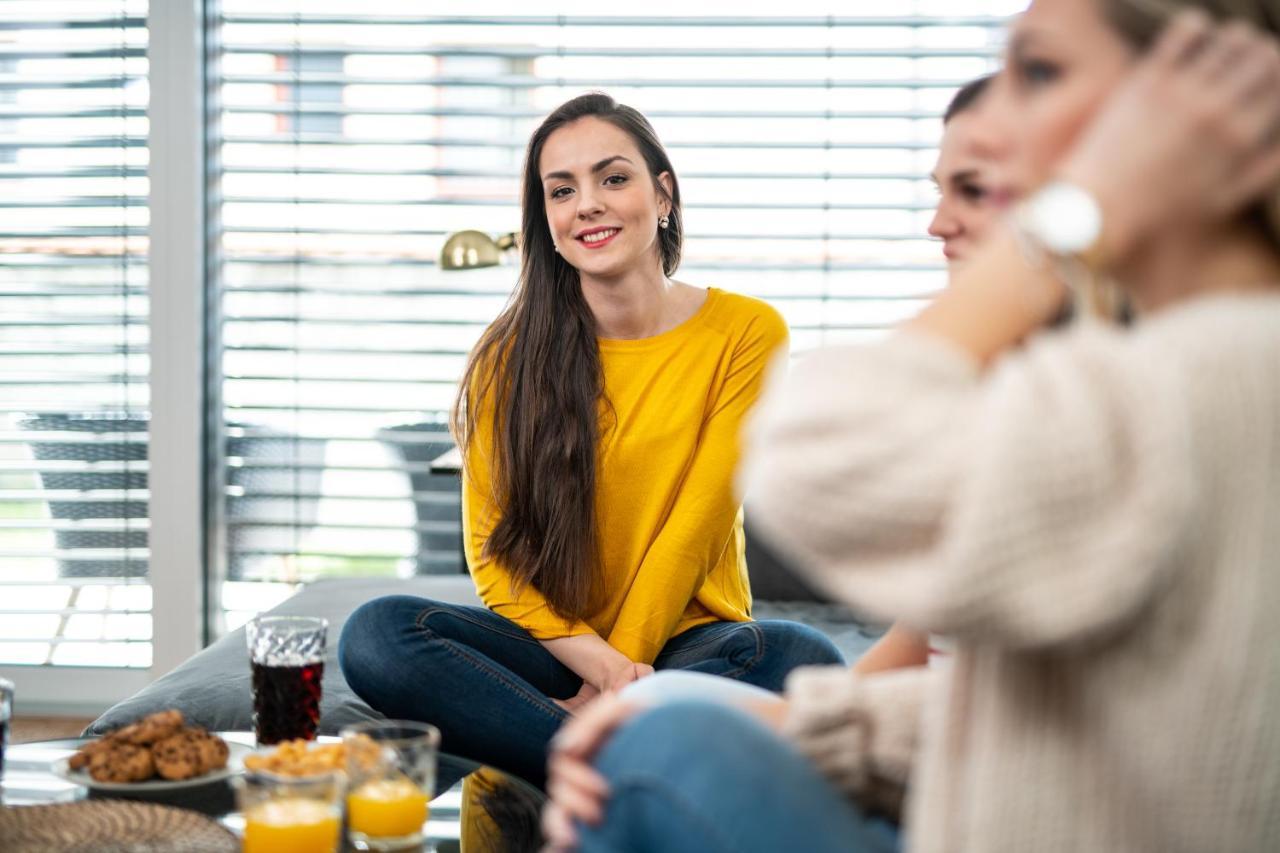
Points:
[1062,61]
[965,177]
[602,206]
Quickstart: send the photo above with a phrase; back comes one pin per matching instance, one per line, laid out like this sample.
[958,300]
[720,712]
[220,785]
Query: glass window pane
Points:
[355,137]
[73,331]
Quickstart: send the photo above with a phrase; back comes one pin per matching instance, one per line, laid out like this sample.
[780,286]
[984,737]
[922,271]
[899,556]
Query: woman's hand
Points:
[576,702]
[596,662]
[1194,132]
[622,673]
[577,792]
[1192,135]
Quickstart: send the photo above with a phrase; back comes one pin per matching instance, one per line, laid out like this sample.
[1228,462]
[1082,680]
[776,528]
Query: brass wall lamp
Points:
[471,250]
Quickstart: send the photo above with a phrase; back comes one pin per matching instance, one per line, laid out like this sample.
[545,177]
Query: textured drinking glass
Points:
[291,814]
[6,714]
[391,776]
[286,654]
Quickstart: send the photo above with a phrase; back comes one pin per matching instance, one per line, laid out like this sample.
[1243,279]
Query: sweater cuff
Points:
[828,725]
[862,733]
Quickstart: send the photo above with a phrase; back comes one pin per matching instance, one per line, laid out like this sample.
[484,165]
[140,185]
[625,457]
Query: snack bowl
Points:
[298,758]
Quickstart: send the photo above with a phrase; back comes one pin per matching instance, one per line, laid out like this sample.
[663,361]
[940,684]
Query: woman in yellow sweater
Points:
[599,418]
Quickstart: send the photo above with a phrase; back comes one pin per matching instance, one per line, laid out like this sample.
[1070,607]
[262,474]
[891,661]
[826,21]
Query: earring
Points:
[557,248]
[663,221]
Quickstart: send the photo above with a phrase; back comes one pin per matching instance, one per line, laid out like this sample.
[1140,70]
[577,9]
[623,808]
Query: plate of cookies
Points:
[160,752]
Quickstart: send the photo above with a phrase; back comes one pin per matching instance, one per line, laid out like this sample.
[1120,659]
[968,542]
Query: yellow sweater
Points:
[670,525]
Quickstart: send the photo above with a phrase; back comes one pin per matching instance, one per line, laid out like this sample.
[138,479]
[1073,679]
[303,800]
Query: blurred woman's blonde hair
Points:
[1140,21]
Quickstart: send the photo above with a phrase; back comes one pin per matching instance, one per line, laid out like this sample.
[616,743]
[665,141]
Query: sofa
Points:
[212,688]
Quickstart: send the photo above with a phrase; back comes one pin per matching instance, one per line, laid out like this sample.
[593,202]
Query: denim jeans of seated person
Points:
[487,684]
[703,776]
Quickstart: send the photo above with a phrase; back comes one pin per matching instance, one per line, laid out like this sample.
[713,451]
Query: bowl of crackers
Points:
[159,752]
[312,758]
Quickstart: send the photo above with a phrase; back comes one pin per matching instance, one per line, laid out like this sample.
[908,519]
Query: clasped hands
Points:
[615,679]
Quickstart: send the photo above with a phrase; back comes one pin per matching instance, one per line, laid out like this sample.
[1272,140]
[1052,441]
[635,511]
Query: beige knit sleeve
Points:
[860,732]
[1037,504]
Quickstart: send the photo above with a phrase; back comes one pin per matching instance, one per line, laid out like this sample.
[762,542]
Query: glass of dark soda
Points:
[286,654]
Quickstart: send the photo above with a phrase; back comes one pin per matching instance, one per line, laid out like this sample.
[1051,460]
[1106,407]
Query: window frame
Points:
[188,549]
[177,203]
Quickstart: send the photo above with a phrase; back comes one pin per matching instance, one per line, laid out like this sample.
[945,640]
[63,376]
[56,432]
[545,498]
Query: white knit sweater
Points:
[1096,520]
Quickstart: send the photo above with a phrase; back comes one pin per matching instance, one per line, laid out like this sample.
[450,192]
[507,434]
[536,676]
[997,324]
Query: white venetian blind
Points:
[355,136]
[73,333]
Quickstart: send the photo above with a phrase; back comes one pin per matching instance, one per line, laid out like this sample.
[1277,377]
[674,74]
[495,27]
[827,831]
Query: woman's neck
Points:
[640,304]
[1232,259]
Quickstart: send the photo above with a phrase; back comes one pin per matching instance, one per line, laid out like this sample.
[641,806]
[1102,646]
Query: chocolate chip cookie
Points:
[151,729]
[123,762]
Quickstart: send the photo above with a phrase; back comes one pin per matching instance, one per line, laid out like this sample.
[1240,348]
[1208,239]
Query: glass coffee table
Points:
[493,812]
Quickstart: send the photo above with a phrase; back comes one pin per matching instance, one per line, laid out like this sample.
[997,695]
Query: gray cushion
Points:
[212,688]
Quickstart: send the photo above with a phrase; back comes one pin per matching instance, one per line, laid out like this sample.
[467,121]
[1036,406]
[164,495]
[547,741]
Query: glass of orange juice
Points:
[391,776]
[291,814]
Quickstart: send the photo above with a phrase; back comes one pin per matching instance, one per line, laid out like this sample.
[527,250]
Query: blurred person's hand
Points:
[772,713]
[1193,135]
[577,791]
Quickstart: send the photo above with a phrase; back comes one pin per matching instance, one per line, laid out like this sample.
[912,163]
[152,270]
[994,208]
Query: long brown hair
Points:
[537,370]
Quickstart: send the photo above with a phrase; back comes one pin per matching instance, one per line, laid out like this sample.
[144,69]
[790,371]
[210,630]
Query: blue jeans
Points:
[487,684]
[705,777]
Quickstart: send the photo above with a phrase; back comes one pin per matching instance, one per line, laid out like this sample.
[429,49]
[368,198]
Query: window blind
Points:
[73,334]
[355,137]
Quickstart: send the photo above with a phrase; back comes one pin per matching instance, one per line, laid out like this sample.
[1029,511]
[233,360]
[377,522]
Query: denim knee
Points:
[744,646]
[703,777]
[370,633]
[666,736]
[800,644]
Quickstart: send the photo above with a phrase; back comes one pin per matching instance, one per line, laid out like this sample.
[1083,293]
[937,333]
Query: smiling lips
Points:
[597,237]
